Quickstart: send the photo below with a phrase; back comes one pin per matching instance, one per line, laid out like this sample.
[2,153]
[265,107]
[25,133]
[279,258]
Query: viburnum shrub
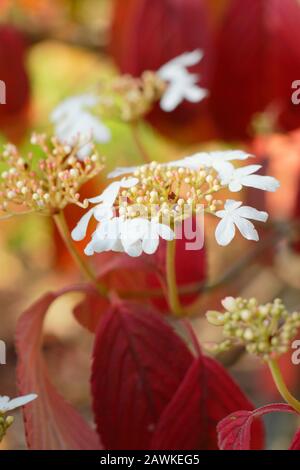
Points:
[152,385]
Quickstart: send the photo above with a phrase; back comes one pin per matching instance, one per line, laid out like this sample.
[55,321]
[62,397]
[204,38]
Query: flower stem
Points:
[173,297]
[63,229]
[281,386]
[138,142]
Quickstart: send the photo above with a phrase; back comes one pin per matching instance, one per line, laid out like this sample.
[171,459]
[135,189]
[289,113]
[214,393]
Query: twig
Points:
[140,146]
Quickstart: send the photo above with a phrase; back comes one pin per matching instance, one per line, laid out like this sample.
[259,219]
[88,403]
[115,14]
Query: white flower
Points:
[141,235]
[182,85]
[132,236]
[123,170]
[187,59]
[193,162]
[212,159]
[104,206]
[106,237]
[236,215]
[7,404]
[236,178]
[73,120]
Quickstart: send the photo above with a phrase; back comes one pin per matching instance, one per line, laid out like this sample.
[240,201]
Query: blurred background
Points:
[52,49]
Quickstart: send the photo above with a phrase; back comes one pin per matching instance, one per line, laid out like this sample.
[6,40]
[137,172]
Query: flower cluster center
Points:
[265,330]
[129,98]
[166,191]
[46,185]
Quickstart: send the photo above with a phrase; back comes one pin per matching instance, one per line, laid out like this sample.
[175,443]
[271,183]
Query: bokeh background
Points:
[51,49]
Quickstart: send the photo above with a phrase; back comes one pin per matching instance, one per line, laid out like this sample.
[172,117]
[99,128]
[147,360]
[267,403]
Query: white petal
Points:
[187,162]
[103,211]
[94,128]
[84,151]
[165,232]
[246,228]
[89,249]
[100,132]
[128,182]
[200,159]
[150,245]
[221,214]
[74,121]
[4,399]
[65,107]
[133,230]
[79,232]
[98,245]
[109,195]
[234,186]
[105,237]
[171,98]
[266,183]
[134,249]
[247,170]
[109,244]
[252,213]
[211,158]
[225,171]
[64,130]
[187,59]
[82,124]
[232,205]
[195,94]
[228,155]
[225,231]
[20,401]
[117,246]
[72,105]
[122,171]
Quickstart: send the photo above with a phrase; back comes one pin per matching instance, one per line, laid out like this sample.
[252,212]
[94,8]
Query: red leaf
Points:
[89,311]
[15,114]
[50,422]
[138,365]
[126,274]
[206,395]
[118,272]
[234,431]
[12,70]
[295,445]
[119,25]
[257,61]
